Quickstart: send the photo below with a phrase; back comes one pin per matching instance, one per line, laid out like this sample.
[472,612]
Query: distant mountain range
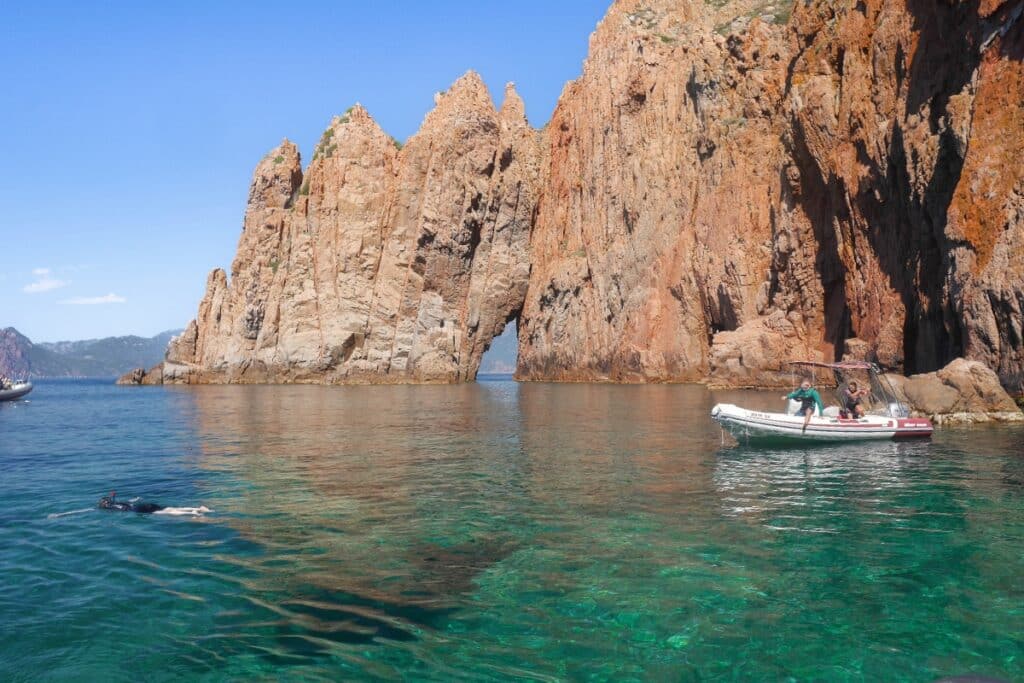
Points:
[108,357]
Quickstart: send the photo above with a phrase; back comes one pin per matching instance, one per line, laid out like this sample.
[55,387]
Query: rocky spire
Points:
[376,266]
[276,178]
[513,111]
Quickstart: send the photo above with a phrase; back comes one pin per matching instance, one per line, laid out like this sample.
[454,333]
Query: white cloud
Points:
[94,300]
[43,283]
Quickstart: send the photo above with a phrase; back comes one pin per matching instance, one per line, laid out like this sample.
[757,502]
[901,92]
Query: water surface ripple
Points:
[490,532]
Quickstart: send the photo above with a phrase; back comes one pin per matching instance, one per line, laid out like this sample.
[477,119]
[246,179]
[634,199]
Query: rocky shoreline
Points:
[962,393]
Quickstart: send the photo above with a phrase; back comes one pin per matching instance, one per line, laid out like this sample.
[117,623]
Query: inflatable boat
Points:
[17,390]
[884,416]
[746,425]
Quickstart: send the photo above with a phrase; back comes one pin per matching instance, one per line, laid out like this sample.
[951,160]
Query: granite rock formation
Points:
[905,118]
[654,229]
[848,184]
[728,186]
[962,392]
[139,376]
[377,264]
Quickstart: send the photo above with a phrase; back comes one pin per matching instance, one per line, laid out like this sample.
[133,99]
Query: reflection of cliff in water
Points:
[606,446]
[348,490]
[408,494]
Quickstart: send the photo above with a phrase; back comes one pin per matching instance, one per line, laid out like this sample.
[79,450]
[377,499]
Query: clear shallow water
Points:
[494,531]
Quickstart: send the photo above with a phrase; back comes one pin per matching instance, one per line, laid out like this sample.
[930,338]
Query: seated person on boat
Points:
[809,398]
[852,397]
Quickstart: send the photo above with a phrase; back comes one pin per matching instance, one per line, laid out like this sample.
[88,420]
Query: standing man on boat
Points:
[809,398]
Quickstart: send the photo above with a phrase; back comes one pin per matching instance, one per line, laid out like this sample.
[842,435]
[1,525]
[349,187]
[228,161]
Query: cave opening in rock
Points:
[501,358]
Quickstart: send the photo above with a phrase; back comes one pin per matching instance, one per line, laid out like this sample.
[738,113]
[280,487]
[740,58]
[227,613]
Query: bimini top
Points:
[852,365]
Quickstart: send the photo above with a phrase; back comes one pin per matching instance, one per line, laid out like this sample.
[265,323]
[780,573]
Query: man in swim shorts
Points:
[809,398]
[852,397]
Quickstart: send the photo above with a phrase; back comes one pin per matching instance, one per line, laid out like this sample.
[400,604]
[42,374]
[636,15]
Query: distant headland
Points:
[20,357]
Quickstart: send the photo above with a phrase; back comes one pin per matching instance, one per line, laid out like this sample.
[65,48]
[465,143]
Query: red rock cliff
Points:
[658,201]
[378,264]
[850,183]
[727,186]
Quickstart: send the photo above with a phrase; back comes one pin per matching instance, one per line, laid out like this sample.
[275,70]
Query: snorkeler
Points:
[112,503]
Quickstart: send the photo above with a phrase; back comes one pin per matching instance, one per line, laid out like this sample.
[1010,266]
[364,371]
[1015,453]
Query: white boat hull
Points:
[16,391]
[748,425]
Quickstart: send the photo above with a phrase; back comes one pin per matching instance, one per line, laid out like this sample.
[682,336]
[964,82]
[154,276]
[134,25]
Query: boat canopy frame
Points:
[881,388]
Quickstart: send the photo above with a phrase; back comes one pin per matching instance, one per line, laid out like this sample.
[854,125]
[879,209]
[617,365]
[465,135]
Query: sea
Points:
[494,531]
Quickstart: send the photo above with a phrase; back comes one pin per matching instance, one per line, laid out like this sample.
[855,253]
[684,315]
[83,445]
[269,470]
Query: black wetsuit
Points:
[108,503]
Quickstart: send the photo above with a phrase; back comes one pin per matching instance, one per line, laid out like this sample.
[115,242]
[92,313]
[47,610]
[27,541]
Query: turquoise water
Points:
[491,532]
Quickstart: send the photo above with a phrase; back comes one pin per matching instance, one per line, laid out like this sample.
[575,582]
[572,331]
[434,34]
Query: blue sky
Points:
[129,132]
